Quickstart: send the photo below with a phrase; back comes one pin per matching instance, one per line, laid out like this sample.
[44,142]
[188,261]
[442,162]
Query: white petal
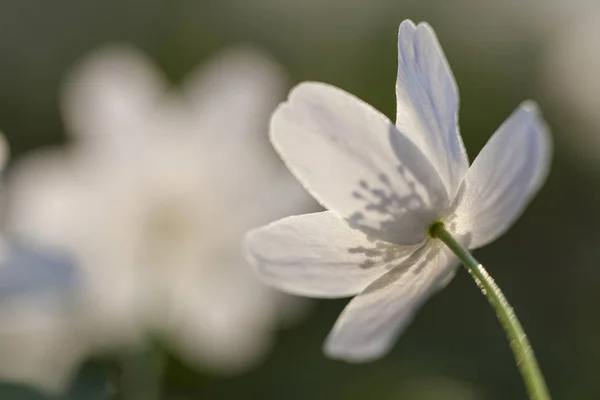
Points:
[281,196]
[319,255]
[221,316]
[232,96]
[356,163]
[370,324]
[43,199]
[40,345]
[505,175]
[427,102]
[224,338]
[112,94]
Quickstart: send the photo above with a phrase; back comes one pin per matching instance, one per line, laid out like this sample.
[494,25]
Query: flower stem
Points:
[523,353]
[143,374]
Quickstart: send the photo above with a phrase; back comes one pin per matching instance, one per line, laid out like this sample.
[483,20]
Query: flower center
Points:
[433,228]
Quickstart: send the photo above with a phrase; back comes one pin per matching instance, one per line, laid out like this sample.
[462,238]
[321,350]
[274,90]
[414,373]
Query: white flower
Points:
[154,196]
[385,185]
[34,344]
[41,344]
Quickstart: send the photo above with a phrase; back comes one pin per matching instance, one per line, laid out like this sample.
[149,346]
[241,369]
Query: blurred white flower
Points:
[35,347]
[386,185]
[152,199]
[40,342]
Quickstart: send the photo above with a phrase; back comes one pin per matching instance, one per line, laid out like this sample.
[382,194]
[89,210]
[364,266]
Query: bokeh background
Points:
[501,53]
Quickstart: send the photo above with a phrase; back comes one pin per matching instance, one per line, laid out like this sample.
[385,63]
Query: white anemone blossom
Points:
[385,185]
[40,341]
[153,197]
[35,345]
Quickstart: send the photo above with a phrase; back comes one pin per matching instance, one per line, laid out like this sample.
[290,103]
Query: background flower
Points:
[152,199]
[41,341]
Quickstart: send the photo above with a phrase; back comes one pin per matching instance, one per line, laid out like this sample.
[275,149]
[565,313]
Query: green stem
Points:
[530,371]
[143,374]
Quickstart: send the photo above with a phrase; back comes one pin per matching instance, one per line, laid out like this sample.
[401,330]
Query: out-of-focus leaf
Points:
[10,391]
[93,382]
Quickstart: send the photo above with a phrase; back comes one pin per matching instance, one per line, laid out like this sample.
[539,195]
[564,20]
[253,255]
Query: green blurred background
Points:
[548,264]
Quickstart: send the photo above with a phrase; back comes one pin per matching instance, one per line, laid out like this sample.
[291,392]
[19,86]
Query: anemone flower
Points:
[152,198]
[390,189]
